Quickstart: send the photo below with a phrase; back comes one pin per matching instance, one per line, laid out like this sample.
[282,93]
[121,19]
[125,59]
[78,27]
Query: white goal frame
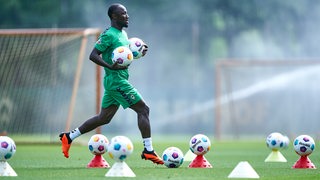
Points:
[222,64]
[84,32]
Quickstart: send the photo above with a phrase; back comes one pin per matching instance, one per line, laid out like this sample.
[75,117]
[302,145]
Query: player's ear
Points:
[113,16]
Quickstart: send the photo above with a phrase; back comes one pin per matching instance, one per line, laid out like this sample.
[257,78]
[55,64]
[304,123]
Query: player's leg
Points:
[142,111]
[104,117]
[128,96]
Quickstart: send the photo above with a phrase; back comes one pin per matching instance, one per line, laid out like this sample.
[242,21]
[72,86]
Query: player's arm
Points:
[95,56]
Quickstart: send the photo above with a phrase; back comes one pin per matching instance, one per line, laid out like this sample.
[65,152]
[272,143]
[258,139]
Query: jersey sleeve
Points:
[103,42]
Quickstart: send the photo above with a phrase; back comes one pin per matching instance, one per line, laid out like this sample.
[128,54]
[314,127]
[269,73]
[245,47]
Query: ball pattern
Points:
[172,157]
[304,145]
[200,144]
[7,148]
[98,144]
[119,148]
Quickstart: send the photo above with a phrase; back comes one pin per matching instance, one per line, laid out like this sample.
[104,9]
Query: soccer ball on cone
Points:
[172,157]
[275,141]
[119,148]
[7,148]
[303,145]
[98,144]
[200,144]
[286,142]
[122,55]
[136,46]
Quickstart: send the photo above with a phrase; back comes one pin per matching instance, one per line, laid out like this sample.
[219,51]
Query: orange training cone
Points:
[98,162]
[200,162]
[304,163]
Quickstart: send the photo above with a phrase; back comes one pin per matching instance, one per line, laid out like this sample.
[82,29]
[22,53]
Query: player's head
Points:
[118,15]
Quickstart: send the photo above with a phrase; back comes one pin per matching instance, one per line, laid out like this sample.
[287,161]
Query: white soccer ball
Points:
[7,148]
[136,46]
[200,144]
[119,148]
[122,55]
[98,144]
[172,157]
[275,141]
[303,145]
[286,142]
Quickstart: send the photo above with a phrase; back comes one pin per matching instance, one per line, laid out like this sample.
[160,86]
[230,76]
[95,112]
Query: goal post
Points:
[257,97]
[41,75]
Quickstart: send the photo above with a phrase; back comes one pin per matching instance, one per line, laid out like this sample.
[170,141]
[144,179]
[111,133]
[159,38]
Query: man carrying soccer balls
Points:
[118,91]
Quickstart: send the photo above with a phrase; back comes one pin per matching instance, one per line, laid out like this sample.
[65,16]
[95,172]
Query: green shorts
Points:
[124,95]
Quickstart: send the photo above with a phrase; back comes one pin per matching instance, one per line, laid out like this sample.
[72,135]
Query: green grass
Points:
[47,162]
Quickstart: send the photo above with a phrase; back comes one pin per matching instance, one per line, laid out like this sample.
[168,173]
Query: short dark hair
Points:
[112,9]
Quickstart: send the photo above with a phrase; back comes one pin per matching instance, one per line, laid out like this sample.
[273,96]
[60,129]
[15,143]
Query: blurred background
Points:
[226,68]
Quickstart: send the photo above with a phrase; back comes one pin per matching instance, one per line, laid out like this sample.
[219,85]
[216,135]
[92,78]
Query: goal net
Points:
[41,79]
[256,98]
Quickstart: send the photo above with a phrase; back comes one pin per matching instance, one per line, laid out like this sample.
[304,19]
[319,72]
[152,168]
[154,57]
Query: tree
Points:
[41,14]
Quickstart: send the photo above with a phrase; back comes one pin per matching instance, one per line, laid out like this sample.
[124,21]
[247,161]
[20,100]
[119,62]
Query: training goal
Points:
[44,74]
[257,97]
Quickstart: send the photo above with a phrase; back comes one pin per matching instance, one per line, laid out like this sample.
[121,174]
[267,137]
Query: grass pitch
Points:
[36,161]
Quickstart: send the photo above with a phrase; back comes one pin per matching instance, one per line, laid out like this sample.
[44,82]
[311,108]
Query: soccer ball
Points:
[172,157]
[200,144]
[98,144]
[275,141]
[286,142]
[7,148]
[303,145]
[136,46]
[119,148]
[122,55]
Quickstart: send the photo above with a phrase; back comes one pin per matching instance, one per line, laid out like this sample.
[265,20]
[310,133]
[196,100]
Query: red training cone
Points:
[98,162]
[304,162]
[200,162]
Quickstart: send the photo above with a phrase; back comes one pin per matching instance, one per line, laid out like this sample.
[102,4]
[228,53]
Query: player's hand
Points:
[144,50]
[116,66]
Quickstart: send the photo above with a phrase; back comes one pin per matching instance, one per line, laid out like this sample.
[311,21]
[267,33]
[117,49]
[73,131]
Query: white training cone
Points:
[6,169]
[189,156]
[243,170]
[120,169]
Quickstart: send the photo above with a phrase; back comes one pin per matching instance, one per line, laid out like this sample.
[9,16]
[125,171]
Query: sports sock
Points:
[74,134]
[147,142]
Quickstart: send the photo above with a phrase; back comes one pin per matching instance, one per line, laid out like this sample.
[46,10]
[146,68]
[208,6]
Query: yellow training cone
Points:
[275,156]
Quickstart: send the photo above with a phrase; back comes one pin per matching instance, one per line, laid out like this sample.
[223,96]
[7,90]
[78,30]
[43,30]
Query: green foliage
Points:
[40,14]
[225,19]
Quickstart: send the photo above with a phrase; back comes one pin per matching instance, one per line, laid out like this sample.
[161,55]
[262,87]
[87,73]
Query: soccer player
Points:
[118,90]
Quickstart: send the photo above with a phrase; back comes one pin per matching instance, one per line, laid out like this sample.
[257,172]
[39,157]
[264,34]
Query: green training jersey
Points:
[110,39]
